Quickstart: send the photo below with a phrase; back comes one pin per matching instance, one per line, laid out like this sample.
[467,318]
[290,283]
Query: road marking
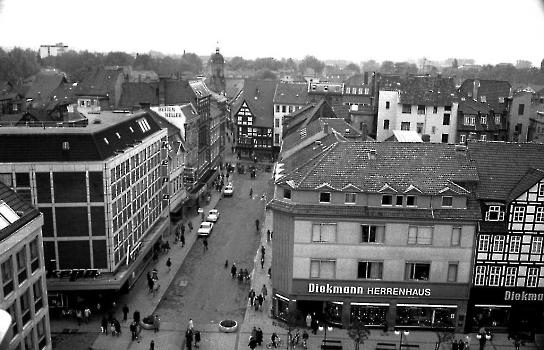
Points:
[183,283]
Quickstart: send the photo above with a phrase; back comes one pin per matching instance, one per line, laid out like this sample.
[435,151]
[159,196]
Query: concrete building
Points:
[53,50]
[287,99]
[24,294]
[375,232]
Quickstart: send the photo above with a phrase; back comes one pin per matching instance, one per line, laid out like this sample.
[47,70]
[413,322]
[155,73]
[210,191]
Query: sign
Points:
[523,296]
[316,288]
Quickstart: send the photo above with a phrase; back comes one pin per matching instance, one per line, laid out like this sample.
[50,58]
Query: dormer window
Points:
[350,198]
[387,199]
[447,201]
[324,197]
[286,193]
[411,201]
[494,213]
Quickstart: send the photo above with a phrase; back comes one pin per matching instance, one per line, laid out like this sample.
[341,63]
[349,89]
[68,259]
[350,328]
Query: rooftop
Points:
[14,212]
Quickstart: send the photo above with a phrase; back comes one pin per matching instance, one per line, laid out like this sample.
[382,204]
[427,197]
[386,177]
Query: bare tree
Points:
[444,335]
[358,332]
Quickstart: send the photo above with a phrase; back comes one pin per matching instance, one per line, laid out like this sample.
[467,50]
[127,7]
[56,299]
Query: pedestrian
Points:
[251,296]
[112,328]
[155,274]
[205,244]
[136,316]
[117,326]
[262,262]
[264,292]
[189,339]
[254,333]
[268,235]
[385,328]
[259,338]
[308,321]
[132,329]
[233,270]
[167,247]
[262,251]
[260,299]
[251,192]
[87,315]
[461,345]
[197,338]
[150,284]
[138,331]
[169,264]
[190,224]
[454,345]
[79,317]
[156,287]
[104,325]
[182,228]
[314,326]
[125,312]
[182,239]
[257,224]
[152,345]
[270,272]
[305,337]
[274,337]
[252,343]
[157,324]
[191,326]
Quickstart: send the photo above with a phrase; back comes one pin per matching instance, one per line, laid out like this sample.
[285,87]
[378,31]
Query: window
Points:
[348,90]
[372,234]
[387,199]
[452,272]
[370,270]
[540,189]
[469,120]
[38,295]
[483,137]
[420,109]
[515,244]
[42,339]
[483,243]
[539,215]
[277,122]
[494,275]
[283,109]
[483,98]
[144,125]
[462,138]
[421,235]
[405,126]
[536,245]
[479,276]
[483,119]
[399,201]
[510,277]
[497,119]
[277,108]
[419,127]
[532,277]
[416,271]
[25,307]
[387,104]
[324,197]
[14,325]
[351,198]
[521,109]
[435,109]
[494,213]
[406,108]
[498,243]
[324,233]
[21,265]
[445,138]
[456,236]
[29,341]
[411,201]
[286,193]
[386,124]
[7,277]
[519,214]
[446,119]
[276,138]
[322,268]
[34,256]
[367,91]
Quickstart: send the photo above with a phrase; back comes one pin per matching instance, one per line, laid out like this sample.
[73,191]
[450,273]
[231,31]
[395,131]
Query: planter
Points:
[228,326]
[144,323]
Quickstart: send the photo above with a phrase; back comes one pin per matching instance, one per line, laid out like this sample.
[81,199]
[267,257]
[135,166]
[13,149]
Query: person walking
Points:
[251,297]
[233,270]
[182,239]
[156,287]
[79,317]
[87,315]
[191,325]
[169,264]
[205,243]
[262,262]
[136,316]
[150,283]
[190,224]
[252,343]
[251,192]
[152,345]
[262,251]
[157,324]
[197,338]
[189,339]
[104,325]
[125,312]
[254,333]
[259,337]
[264,291]
[309,321]
[257,224]
[260,299]
[132,329]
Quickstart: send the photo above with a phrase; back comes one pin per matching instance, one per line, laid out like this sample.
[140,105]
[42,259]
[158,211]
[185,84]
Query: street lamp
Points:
[324,328]
[483,337]
[402,333]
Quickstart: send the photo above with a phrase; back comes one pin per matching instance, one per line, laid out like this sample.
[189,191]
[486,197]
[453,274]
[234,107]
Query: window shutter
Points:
[316,233]
[327,269]
[380,234]
[314,269]
[412,235]
[425,235]
[501,216]
[328,233]
[487,216]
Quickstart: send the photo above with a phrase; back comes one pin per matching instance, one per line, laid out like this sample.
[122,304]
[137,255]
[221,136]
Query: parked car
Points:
[205,228]
[213,215]
[227,192]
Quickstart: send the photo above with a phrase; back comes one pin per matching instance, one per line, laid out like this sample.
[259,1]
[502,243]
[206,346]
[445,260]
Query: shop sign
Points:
[317,288]
[523,296]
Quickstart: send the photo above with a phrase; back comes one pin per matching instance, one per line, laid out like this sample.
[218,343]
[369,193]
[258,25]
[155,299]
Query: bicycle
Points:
[279,343]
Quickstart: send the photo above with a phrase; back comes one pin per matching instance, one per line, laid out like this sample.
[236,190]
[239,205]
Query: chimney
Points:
[372,154]
[364,131]
[365,78]
[475,89]
[426,138]
[162,92]
[326,129]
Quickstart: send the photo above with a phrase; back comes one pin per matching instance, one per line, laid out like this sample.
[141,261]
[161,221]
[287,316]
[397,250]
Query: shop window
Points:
[510,277]
[368,314]
[532,277]
[370,270]
[420,235]
[518,214]
[498,243]
[515,244]
[456,236]
[417,271]
[452,272]
[494,275]
[38,295]
[324,197]
[350,198]
[483,243]
[324,233]
[324,269]
[425,315]
[7,277]
[332,312]
[387,199]
[492,317]
[372,233]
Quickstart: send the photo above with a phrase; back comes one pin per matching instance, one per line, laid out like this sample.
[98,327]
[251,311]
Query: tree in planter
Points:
[358,332]
[444,335]
[293,319]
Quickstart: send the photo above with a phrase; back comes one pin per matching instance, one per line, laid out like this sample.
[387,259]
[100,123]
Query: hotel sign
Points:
[315,288]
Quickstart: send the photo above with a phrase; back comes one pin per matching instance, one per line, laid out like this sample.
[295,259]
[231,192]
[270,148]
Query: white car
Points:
[205,228]
[228,190]
[213,215]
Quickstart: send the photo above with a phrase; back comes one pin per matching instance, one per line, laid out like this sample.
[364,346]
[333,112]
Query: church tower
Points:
[218,73]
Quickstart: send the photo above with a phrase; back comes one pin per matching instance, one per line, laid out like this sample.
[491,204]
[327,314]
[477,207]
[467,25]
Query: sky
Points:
[488,31]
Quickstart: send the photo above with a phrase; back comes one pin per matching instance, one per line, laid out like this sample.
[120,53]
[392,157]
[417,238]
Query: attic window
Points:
[144,125]
[7,215]
[483,99]
[118,136]
[106,141]
[131,129]
[501,99]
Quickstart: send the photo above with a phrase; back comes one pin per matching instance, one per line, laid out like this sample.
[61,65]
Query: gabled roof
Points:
[199,88]
[315,127]
[370,165]
[406,136]
[291,94]
[44,85]
[24,210]
[259,97]
[175,92]
[532,177]
[491,89]
[427,90]
[64,93]
[502,165]
[467,105]
[105,135]
[100,81]
[300,118]
[234,85]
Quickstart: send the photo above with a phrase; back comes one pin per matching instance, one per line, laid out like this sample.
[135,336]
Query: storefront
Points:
[410,305]
[506,309]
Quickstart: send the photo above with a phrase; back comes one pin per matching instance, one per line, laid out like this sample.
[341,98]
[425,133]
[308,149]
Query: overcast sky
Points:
[488,31]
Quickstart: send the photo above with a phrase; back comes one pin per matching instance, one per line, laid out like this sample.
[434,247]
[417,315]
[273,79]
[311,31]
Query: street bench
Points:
[409,347]
[386,346]
[330,344]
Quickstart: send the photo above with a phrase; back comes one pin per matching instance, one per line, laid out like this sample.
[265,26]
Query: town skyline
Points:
[294,30]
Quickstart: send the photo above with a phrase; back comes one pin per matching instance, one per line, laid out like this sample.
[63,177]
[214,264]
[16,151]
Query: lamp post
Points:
[324,328]
[483,337]
[402,333]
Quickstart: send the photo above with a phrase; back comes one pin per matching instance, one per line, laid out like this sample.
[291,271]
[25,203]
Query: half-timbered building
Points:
[508,277]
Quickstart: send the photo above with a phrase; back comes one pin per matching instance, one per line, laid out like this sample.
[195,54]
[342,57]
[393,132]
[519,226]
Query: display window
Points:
[426,315]
[491,315]
[369,313]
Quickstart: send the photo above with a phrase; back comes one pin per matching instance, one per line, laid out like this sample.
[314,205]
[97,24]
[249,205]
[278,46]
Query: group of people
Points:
[256,338]
[257,300]
[83,315]
[112,324]
[459,345]
[180,234]
[191,335]
[241,274]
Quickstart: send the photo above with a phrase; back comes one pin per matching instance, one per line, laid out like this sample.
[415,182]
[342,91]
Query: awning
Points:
[208,177]
[197,191]
[180,205]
